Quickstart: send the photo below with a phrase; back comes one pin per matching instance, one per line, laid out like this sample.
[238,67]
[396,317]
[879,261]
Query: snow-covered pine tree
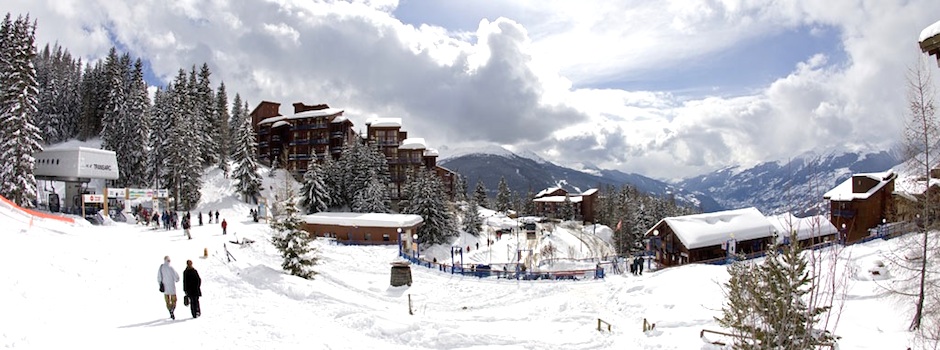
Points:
[19,96]
[767,303]
[207,122]
[113,122]
[94,95]
[59,79]
[460,192]
[426,198]
[224,140]
[137,134]
[471,219]
[246,175]
[314,195]
[290,239]
[479,194]
[238,116]
[529,208]
[503,196]
[373,198]
[185,170]
[566,209]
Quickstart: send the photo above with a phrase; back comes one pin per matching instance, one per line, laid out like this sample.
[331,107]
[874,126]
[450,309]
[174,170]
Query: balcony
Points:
[320,141]
[337,135]
[843,213]
[300,142]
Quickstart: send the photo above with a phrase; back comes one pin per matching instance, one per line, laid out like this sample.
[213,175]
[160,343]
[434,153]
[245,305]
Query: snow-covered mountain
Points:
[529,172]
[796,185]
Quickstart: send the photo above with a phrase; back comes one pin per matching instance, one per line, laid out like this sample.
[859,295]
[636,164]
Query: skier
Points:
[217,216]
[200,218]
[168,277]
[192,287]
[224,226]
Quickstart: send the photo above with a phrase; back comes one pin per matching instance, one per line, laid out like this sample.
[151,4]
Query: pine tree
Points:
[93,97]
[529,208]
[205,120]
[137,134]
[472,220]
[291,240]
[246,175]
[426,198]
[566,210]
[314,195]
[767,304]
[238,117]
[503,196]
[19,97]
[374,198]
[479,194]
[181,158]
[460,194]
[224,139]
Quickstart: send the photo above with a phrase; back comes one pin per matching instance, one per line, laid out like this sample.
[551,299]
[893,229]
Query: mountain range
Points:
[796,185]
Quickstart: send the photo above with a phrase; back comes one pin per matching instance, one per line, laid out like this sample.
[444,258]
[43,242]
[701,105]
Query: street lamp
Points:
[417,248]
[399,242]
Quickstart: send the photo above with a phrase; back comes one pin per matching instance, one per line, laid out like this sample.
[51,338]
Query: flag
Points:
[619,224]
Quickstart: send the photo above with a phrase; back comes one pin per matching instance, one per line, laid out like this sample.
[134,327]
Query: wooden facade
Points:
[704,237]
[862,202]
[348,228]
[930,41]
[548,203]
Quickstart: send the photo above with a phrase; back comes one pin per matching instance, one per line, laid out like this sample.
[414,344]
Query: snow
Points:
[431,152]
[929,32]
[844,193]
[95,287]
[558,199]
[413,143]
[384,122]
[317,113]
[546,191]
[272,119]
[279,123]
[806,227]
[710,229]
[490,149]
[363,219]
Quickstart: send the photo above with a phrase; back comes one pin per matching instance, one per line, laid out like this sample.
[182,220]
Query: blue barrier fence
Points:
[493,270]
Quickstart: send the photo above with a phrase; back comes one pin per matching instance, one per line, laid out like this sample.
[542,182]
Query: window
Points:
[368,237]
[385,237]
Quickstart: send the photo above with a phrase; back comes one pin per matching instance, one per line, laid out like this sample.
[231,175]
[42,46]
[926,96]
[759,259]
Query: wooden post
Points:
[105,204]
[599,322]
[410,312]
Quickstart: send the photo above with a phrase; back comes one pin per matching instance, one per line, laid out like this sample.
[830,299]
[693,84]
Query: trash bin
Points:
[401,273]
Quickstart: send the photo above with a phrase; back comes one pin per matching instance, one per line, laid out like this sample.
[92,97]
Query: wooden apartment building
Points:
[314,132]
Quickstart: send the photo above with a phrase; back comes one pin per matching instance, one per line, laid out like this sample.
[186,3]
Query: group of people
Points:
[192,287]
[210,217]
[636,267]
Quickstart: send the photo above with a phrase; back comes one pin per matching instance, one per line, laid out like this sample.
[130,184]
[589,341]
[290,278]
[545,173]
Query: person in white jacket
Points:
[168,277]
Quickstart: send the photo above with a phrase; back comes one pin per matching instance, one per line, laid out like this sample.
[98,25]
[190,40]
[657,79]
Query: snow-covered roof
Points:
[808,227]
[909,186]
[317,113]
[709,229]
[363,219]
[431,152]
[272,119]
[413,143]
[384,122]
[843,192]
[589,192]
[929,32]
[340,119]
[279,124]
[558,199]
[547,191]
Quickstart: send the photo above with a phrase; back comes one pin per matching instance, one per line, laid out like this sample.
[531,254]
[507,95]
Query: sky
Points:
[667,89]
[96,286]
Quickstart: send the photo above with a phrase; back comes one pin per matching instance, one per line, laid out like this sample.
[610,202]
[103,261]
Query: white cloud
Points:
[512,80]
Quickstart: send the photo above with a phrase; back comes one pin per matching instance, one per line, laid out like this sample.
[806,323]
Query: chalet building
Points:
[861,203]
[911,192]
[311,133]
[363,228]
[709,236]
[930,40]
[405,155]
[549,202]
[315,132]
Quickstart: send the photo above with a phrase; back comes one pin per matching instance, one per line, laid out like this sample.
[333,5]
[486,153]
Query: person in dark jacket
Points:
[192,287]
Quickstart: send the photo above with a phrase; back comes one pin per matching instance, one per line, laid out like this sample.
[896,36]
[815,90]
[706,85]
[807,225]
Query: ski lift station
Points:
[76,166]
